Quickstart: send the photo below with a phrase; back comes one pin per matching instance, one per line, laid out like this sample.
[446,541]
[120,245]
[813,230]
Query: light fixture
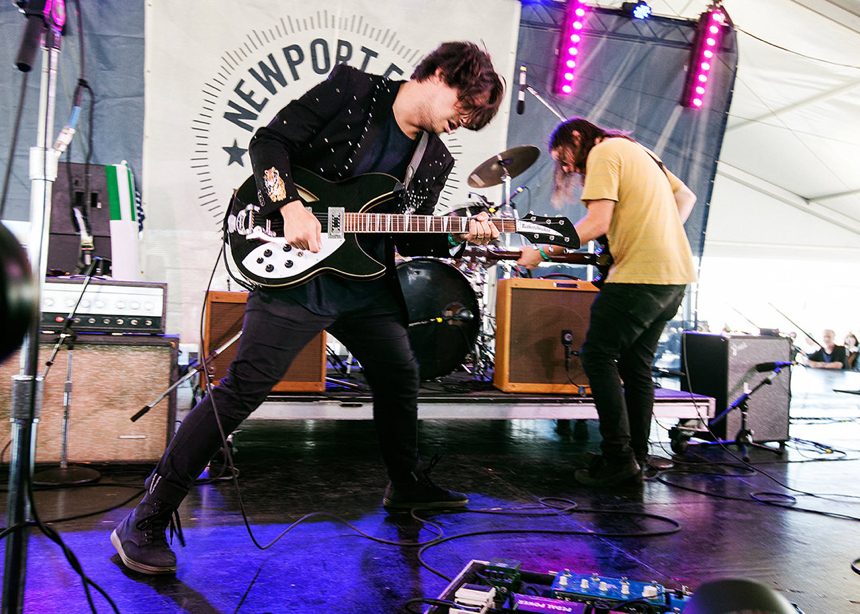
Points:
[569,52]
[710,28]
[637,10]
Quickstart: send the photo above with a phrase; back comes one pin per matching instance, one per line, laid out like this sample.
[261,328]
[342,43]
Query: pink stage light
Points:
[706,43]
[569,51]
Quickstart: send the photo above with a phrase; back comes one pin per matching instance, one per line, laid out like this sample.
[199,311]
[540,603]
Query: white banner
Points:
[216,70]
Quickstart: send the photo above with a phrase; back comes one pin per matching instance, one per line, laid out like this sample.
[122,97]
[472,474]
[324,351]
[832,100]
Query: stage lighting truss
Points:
[569,48]
[710,30]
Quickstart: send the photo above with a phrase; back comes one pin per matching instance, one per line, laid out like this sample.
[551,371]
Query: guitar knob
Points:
[260,260]
[288,264]
[267,253]
[287,247]
[270,268]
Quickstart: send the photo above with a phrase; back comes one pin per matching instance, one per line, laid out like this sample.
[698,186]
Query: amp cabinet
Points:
[530,317]
[724,367]
[112,378]
[223,321]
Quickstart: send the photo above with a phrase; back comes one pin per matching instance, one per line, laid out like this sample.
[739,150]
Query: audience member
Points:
[829,355]
[851,351]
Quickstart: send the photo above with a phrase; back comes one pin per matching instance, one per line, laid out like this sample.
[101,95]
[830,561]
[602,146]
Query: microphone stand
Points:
[45,19]
[65,474]
[744,436]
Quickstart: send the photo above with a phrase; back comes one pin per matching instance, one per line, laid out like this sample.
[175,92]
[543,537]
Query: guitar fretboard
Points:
[399,222]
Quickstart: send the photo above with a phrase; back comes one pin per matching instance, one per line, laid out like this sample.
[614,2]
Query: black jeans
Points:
[274,331]
[626,323]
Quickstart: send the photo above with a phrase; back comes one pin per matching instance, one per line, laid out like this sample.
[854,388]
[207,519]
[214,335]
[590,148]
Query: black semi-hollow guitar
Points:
[345,209]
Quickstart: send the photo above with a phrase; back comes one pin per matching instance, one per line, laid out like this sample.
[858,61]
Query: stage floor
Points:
[517,473]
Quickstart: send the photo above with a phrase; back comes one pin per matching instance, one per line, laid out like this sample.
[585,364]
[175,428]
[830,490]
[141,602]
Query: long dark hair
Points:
[577,136]
[468,69]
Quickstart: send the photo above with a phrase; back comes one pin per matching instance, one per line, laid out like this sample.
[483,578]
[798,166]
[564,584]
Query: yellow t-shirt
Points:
[646,237]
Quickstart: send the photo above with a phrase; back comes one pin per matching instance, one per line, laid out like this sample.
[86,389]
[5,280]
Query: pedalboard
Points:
[106,306]
[501,586]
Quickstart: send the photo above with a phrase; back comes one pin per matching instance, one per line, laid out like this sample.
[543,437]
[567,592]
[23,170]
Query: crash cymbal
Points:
[511,162]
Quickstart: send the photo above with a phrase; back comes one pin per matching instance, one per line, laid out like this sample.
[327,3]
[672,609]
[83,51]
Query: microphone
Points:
[464,315]
[772,366]
[521,96]
[519,190]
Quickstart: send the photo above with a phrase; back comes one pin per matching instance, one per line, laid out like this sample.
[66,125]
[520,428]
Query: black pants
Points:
[626,323]
[273,333]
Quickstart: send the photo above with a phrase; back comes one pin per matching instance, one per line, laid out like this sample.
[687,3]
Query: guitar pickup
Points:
[335,222]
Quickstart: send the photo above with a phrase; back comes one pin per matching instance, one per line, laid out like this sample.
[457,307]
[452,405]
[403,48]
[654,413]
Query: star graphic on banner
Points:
[236,153]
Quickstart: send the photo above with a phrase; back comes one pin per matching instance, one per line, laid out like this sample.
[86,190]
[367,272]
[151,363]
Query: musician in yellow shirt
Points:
[640,207]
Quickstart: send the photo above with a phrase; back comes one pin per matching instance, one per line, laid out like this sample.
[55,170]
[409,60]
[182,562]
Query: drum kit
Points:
[450,301]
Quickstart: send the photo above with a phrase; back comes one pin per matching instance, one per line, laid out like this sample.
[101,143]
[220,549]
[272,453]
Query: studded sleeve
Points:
[274,148]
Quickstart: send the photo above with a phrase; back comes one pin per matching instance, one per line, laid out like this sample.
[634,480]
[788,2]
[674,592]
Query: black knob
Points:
[267,253]
[269,268]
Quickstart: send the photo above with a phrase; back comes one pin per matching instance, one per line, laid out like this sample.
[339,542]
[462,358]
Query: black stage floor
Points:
[518,473]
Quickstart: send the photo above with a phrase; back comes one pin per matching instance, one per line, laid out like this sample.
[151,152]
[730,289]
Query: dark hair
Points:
[469,70]
[578,135]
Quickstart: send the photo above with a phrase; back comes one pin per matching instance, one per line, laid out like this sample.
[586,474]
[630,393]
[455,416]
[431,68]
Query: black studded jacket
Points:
[327,131]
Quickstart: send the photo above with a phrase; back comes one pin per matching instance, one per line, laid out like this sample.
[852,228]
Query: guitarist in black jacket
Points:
[352,123]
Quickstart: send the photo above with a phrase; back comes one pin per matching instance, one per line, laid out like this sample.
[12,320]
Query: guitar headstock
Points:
[553,230]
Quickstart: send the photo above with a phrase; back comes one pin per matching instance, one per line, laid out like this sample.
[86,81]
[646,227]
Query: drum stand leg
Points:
[483,354]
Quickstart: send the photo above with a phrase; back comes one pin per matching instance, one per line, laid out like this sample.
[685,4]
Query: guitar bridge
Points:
[335,222]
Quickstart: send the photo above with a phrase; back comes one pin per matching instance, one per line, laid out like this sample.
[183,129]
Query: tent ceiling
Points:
[794,124]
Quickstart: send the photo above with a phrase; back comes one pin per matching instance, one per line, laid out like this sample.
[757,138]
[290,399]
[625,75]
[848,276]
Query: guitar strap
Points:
[416,159]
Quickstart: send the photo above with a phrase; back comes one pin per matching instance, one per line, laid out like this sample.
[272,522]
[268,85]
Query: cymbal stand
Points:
[483,355]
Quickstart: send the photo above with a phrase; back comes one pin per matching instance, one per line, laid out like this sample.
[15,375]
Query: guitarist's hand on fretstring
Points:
[301,228]
[481,231]
[530,257]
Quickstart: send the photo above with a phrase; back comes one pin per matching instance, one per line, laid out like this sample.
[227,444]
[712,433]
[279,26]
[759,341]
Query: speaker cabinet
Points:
[723,367]
[223,321]
[83,187]
[112,378]
[530,317]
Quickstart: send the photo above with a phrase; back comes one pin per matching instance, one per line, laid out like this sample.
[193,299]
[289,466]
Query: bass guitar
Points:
[345,210]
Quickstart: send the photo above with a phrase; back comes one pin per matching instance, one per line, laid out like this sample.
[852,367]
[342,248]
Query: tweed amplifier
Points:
[535,319]
[107,306]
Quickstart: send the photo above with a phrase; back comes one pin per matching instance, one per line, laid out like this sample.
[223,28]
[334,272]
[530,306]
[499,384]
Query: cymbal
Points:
[512,162]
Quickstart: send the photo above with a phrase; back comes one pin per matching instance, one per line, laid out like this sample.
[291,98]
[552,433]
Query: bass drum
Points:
[435,290]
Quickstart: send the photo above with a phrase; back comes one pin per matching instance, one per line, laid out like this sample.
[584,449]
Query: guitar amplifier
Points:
[107,306]
[112,377]
[223,321]
[724,367]
[530,317]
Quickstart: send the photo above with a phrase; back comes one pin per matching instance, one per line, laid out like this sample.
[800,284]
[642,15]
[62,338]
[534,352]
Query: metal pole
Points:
[27,388]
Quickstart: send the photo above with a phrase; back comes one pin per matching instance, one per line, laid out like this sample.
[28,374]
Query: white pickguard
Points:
[275,259]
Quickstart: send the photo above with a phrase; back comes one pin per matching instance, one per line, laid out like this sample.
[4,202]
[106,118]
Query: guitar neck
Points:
[405,223]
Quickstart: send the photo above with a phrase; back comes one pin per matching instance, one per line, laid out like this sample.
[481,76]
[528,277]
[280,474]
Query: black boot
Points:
[141,539]
[421,492]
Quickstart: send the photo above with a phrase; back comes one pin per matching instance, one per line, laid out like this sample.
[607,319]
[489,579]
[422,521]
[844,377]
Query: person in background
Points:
[829,355]
[851,352]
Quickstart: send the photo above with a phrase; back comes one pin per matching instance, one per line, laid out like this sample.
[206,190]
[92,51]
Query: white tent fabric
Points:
[784,225]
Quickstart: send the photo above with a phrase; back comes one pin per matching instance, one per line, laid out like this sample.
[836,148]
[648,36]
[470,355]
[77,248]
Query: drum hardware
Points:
[501,168]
